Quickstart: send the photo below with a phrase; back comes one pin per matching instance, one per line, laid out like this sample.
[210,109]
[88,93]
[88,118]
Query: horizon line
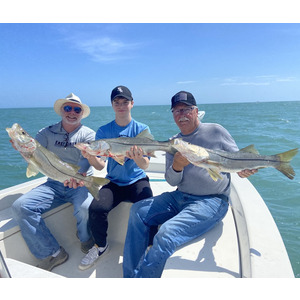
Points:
[257,101]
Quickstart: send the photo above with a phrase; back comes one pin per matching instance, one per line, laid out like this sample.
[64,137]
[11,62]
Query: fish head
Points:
[100,147]
[192,152]
[81,146]
[103,146]
[22,141]
[94,148]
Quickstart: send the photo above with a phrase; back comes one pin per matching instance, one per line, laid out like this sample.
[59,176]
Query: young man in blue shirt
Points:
[127,182]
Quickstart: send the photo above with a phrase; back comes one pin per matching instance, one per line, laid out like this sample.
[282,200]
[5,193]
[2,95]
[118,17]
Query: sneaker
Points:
[92,257]
[50,262]
[86,246]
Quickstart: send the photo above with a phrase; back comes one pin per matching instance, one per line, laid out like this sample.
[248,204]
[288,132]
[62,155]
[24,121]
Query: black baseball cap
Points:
[121,91]
[183,97]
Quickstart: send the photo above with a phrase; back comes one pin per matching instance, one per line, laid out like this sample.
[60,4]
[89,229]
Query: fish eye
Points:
[23,132]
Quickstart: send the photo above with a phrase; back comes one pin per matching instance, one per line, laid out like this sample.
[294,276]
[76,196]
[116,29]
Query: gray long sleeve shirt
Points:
[195,180]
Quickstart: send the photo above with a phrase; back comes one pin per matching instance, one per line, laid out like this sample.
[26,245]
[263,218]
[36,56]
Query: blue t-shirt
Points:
[129,172]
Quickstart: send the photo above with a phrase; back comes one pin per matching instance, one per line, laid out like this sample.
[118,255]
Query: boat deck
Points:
[215,254]
[246,243]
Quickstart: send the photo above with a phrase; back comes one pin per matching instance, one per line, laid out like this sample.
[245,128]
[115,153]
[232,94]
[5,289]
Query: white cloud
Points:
[286,79]
[245,83]
[261,80]
[105,49]
[101,43]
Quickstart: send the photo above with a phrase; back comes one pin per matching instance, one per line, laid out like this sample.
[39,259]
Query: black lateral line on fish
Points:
[133,144]
[248,159]
[57,168]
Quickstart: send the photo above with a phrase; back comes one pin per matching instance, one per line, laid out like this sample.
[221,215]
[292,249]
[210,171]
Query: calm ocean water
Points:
[273,127]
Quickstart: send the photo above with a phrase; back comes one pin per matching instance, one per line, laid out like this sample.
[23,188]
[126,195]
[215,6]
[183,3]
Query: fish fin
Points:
[119,159]
[249,149]
[179,141]
[284,167]
[288,155]
[145,134]
[31,170]
[215,175]
[214,171]
[175,140]
[95,185]
[151,154]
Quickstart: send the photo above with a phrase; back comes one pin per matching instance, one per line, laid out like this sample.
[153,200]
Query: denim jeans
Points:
[28,210]
[183,217]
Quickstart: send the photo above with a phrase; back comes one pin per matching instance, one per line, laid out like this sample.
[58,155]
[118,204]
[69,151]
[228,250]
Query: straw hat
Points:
[71,98]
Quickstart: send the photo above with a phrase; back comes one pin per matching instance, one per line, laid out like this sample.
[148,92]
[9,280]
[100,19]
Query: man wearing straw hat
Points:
[59,138]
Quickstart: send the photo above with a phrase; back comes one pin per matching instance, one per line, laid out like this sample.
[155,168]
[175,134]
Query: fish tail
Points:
[284,166]
[95,184]
[151,154]
[172,150]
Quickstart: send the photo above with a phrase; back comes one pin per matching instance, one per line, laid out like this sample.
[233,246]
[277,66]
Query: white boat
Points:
[201,114]
[246,244]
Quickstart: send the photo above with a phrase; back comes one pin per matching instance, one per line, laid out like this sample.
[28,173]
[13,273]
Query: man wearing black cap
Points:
[198,204]
[127,182]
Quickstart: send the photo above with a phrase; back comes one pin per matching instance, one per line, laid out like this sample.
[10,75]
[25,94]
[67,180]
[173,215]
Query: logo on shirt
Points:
[65,143]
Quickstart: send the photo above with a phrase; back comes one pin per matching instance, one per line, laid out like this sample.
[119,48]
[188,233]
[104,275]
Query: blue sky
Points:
[217,62]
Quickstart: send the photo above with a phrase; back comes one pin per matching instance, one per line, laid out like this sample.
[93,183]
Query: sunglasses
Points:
[184,111]
[68,108]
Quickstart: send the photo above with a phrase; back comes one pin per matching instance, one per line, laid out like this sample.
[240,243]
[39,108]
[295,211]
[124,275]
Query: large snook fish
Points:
[216,161]
[116,148]
[42,160]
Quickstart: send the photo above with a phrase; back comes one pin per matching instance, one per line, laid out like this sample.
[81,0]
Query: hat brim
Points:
[60,102]
[182,101]
[121,96]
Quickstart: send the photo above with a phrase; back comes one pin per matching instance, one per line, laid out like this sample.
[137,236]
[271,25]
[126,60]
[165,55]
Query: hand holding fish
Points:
[246,173]
[94,161]
[179,162]
[73,183]
[136,153]
[86,155]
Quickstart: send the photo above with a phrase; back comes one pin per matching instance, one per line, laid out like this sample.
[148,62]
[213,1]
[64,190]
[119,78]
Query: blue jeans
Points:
[183,217]
[28,210]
